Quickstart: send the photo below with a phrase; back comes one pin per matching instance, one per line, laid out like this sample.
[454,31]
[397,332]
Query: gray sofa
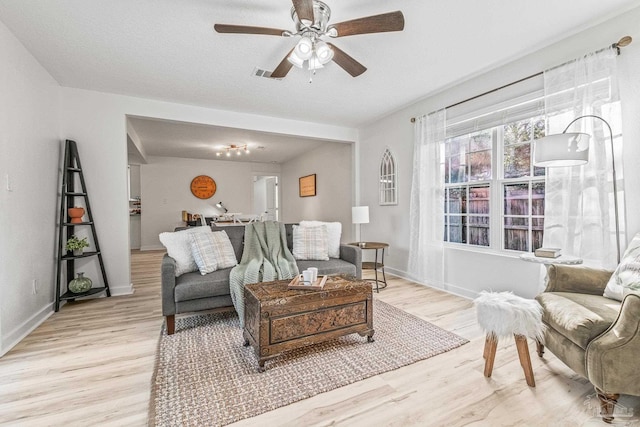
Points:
[194,292]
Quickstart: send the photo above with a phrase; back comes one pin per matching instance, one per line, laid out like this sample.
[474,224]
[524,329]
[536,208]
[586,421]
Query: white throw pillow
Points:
[178,244]
[310,243]
[627,276]
[334,230]
[212,251]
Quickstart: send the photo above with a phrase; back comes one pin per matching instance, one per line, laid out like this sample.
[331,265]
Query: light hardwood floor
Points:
[91,364]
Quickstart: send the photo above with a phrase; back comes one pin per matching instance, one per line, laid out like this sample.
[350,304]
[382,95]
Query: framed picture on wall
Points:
[307,185]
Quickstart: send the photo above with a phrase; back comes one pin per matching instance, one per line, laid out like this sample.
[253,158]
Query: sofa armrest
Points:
[168,281]
[612,357]
[583,280]
[352,254]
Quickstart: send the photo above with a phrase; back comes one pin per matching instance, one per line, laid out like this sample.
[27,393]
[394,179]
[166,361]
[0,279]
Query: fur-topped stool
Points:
[502,314]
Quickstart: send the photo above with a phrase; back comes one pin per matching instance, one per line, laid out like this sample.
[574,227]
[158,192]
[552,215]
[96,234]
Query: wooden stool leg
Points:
[540,348]
[490,345]
[525,360]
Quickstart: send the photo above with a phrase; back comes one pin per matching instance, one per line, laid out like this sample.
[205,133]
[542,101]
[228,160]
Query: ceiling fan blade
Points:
[304,9]
[283,67]
[245,29]
[392,21]
[347,63]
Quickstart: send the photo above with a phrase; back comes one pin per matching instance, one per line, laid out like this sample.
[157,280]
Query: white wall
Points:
[165,187]
[97,121]
[468,272]
[332,164]
[30,150]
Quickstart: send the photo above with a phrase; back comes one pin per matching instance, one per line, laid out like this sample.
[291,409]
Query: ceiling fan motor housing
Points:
[321,15]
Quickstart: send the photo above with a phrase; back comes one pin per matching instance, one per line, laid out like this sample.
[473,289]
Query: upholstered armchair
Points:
[597,337]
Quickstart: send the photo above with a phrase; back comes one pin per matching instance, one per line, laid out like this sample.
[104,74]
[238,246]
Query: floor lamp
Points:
[360,215]
[572,149]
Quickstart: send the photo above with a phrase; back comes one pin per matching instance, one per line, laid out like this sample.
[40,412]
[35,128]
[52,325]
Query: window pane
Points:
[537,198]
[517,132]
[516,199]
[516,234]
[479,200]
[456,159]
[537,231]
[517,160]
[457,200]
[479,157]
[458,229]
[479,230]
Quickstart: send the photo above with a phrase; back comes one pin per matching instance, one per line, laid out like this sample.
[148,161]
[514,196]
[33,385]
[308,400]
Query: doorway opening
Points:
[266,197]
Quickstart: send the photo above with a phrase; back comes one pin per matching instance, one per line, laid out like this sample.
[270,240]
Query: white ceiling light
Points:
[314,52]
[228,149]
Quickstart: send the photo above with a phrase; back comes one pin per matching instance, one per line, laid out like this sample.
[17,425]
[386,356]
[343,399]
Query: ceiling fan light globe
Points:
[295,60]
[324,52]
[315,63]
[304,49]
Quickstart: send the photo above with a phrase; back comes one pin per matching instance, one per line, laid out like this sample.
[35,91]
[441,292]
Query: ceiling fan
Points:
[311,19]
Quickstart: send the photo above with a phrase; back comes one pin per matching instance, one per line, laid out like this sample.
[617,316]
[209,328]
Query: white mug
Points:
[307,277]
[314,273]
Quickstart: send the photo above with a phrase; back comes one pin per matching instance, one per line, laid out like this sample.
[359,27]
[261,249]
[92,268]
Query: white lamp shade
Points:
[564,149]
[304,48]
[295,60]
[360,214]
[323,52]
[315,63]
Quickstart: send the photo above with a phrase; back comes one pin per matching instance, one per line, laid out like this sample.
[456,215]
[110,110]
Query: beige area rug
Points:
[205,376]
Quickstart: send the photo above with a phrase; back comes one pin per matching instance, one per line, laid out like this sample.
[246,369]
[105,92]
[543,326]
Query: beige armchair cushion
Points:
[578,317]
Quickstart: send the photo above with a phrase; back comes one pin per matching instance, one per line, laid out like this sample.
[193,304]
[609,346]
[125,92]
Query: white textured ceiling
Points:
[167,49]
[166,138]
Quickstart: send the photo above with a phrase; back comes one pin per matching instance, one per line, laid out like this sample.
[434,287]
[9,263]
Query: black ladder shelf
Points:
[70,170]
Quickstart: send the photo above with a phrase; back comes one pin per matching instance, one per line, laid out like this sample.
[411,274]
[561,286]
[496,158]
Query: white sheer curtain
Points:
[579,209]
[426,257]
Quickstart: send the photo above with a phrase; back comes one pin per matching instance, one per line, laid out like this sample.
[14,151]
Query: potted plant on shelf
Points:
[76,245]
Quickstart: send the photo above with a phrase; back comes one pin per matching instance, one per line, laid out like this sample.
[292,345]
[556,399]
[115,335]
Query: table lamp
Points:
[360,215]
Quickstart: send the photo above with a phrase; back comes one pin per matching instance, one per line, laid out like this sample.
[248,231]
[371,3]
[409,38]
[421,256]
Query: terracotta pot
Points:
[75,214]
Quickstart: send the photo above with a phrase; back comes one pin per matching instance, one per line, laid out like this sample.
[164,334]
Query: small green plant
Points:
[75,243]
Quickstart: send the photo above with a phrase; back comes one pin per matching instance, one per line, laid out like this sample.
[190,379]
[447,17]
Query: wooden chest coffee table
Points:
[277,319]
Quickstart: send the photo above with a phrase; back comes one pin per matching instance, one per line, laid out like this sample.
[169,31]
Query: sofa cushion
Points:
[334,231]
[578,317]
[194,285]
[332,266]
[310,243]
[627,276]
[212,251]
[178,244]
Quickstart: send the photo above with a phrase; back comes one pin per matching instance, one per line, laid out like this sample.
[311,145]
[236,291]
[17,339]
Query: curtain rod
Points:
[624,41]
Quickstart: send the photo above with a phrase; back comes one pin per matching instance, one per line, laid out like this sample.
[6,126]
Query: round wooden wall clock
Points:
[203,187]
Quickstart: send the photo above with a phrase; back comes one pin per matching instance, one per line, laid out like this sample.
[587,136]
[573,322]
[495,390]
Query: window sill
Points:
[484,250]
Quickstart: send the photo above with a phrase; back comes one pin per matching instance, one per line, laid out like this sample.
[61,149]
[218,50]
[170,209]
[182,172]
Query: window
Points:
[388,180]
[494,196]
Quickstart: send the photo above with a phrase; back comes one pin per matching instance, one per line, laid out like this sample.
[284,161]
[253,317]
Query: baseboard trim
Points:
[18,334]
[449,288]
[151,248]
[121,290]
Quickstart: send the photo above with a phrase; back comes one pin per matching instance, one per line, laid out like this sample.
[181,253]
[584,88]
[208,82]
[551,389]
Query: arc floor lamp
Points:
[572,149]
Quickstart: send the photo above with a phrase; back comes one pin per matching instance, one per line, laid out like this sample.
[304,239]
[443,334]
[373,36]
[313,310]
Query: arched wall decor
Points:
[388,179]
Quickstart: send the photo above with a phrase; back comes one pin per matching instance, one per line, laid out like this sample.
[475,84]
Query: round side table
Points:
[375,265]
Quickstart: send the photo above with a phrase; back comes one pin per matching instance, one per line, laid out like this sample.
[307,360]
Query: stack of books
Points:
[548,252]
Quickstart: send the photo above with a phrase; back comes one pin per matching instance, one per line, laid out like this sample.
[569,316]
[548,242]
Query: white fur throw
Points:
[504,314]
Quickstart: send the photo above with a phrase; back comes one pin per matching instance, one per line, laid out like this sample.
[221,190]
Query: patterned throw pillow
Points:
[334,231]
[212,251]
[627,276]
[311,243]
[178,246]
